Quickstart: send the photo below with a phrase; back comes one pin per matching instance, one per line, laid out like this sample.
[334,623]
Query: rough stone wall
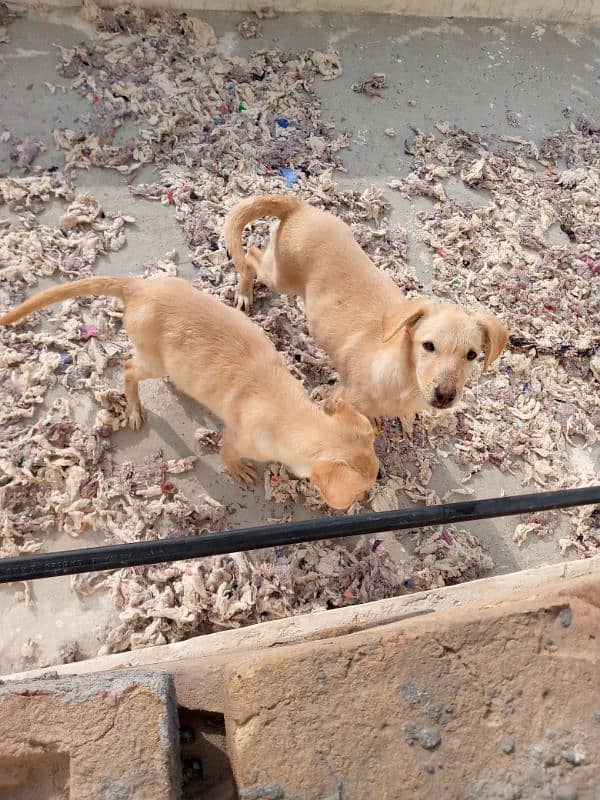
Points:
[494,703]
[111,736]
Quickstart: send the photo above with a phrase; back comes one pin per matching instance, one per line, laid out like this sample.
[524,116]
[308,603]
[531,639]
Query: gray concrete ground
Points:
[469,72]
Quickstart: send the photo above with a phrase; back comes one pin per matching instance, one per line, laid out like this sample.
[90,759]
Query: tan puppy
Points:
[224,361]
[395,356]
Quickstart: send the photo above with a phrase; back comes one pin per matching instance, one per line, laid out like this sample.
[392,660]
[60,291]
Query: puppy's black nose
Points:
[445,394]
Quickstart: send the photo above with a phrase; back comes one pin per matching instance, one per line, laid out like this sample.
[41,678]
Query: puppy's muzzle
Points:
[444,395]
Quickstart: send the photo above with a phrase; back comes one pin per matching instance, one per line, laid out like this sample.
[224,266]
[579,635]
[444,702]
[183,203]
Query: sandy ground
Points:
[470,72]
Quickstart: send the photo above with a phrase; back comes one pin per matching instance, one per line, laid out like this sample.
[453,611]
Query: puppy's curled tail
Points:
[267,205]
[97,287]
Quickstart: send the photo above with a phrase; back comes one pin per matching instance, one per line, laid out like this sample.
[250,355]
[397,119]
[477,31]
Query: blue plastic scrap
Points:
[289,175]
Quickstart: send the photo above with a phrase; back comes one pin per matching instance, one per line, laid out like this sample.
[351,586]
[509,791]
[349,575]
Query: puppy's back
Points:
[203,345]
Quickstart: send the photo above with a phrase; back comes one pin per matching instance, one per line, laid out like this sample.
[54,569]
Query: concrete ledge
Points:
[197,664]
[94,737]
[486,701]
[570,11]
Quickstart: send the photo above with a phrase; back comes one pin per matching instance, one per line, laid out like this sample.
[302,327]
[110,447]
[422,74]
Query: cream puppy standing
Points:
[216,355]
[395,356]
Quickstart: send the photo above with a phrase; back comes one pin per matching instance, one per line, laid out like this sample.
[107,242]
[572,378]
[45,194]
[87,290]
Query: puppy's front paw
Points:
[243,472]
[377,425]
[408,424]
[136,418]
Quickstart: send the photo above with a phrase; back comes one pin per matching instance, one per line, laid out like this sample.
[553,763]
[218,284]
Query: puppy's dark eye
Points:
[471,355]
[429,346]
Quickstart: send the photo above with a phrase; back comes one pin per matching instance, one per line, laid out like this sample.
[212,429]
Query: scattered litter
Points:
[372,85]
[445,127]
[24,595]
[88,331]
[290,176]
[25,151]
[250,28]
[32,193]
[30,649]
[390,132]
[208,440]
[191,597]
[266,12]
[328,64]
[69,652]
[513,119]
[522,531]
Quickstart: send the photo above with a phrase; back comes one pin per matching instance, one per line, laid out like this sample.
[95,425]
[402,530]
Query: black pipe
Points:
[96,559]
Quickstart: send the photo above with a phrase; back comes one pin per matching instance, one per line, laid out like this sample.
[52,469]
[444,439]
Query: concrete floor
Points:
[469,72]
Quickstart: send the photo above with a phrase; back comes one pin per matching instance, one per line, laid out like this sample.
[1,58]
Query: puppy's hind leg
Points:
[239,469]
[134,373]
[260,265]
[257,266]
[244,290]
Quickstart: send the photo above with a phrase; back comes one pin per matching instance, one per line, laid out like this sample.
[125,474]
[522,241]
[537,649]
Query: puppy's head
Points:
[445,343]
[349,472]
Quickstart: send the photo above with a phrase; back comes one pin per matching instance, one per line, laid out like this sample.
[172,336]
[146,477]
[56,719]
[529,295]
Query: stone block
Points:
[108,736]
[497,702]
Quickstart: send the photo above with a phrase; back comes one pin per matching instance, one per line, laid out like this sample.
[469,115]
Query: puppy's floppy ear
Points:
[333,479]
[402,315]
[496,337]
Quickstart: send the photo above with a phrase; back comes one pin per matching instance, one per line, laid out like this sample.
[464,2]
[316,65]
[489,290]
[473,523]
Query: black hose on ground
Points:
[96,559]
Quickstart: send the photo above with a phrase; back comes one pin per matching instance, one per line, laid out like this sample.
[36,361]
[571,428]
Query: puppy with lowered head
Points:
[219,357]
[396,356]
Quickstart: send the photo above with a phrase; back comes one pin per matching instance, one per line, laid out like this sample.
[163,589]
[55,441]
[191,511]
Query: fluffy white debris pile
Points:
[30,250]
[32,360]
[57,472]
[34,192]
[165,603]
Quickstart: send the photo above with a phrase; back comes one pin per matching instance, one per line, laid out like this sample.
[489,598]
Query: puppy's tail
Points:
[267,205]
[97,287]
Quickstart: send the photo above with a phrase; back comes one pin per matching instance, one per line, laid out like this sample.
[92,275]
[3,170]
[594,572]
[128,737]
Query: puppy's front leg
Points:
[239,469]
[408,421]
